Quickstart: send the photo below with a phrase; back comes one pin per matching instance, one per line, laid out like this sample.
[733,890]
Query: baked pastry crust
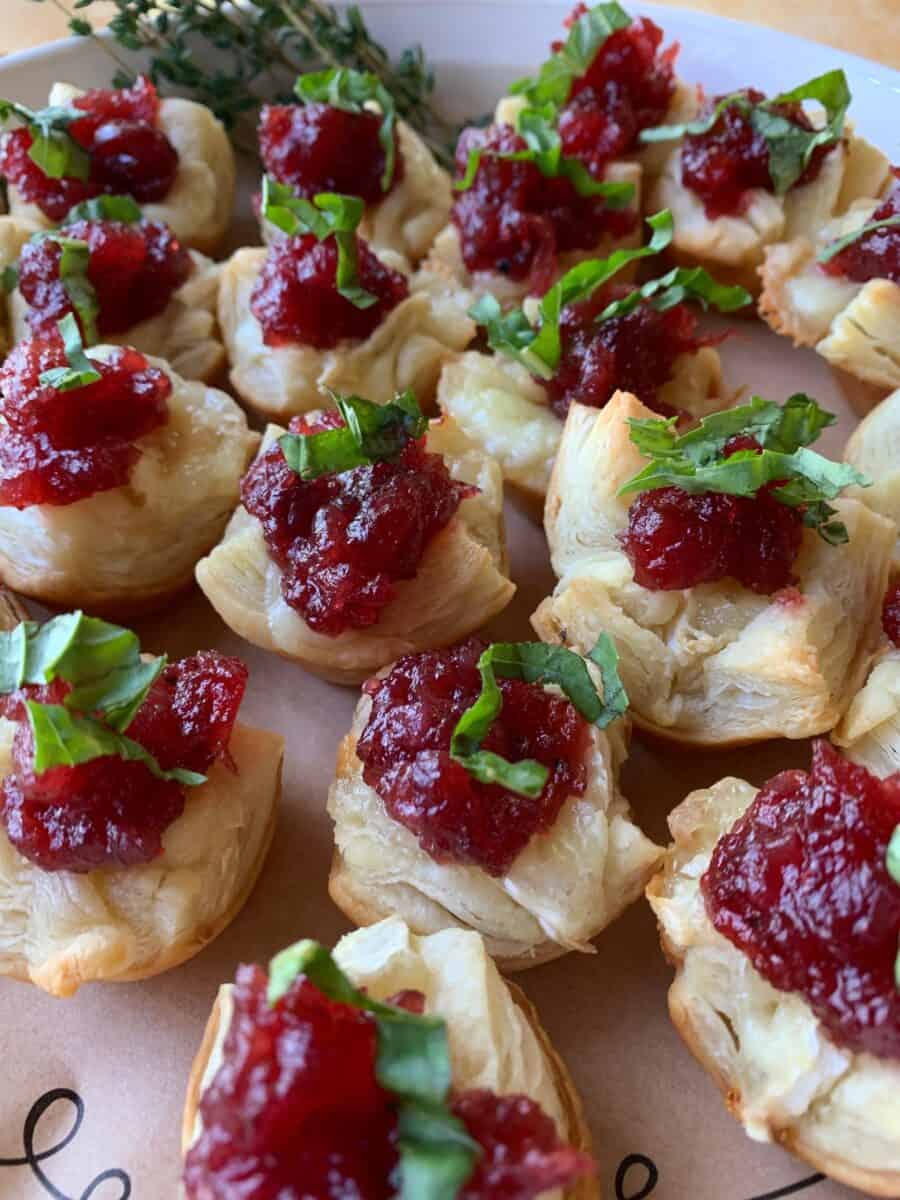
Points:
[781,1077]
[407,350]
[127,549]
[874,449]
[496,1039]
[61,929]
[200,203]
[13,236]
[712,665]
[562,890]
[461,582]
[870,731]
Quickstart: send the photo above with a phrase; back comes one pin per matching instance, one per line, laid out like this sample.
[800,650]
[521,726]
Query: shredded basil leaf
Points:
[371,433]
[437,1154]
[9,278]
[892,862]
[848,239]
[105,208]
[679,285]
[698,126]
[694,461]
[350,91]
[73,274]
[80,372]
[327,215]
[52,148]
[573,59]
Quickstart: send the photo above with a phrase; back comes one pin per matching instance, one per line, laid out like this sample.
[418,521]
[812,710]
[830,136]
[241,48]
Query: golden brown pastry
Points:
[13,236]
[495,1039]
[870,730]
[715,664]
[873,448]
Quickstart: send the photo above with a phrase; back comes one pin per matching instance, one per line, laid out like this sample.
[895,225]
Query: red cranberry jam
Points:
[890,614]
[722,165]
[405,752]
[128,153]
[135,270]
[800,885]
[343,541]
[628,87]
[515,221]
[61,446]
[316,148]
[875,255]
[296,300]
[635,352]
[295,1109]
[109,812]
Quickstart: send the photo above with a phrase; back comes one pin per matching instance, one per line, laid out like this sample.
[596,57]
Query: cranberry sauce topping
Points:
[801,886]
[295,1109]
[722,165]
[134,268]
[405,751]
[128,153]
[61,446]
[875,255]
[296,299]
[628,87]
[515,221]
[342,541]
[634,352]
[108,812]
[316,148]
[890,614]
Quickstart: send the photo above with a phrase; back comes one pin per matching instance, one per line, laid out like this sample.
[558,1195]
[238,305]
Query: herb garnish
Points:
[574,58]
[52,148]
[108,679]
[539,347]
[790,145]
[370,433]
[892,862]
[327,215]
[534,662]
[81,371]
[350,91]
[437,1154]
[848,239]
[695,461]
[104,208]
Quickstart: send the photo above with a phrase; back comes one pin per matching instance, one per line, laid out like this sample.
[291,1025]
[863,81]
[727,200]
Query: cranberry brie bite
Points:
[751,171]
[397,1066]
[364,533]
[345,136]
[587,338]
[172,156]
[869,734]
[135,813]
[839,289]
[320,309]
[743,603]
[126,279]
[780,910]
[478,788]
[116,475]
[874,449]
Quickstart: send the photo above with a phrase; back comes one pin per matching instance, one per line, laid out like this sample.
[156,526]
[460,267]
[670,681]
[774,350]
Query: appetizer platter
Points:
[449,611]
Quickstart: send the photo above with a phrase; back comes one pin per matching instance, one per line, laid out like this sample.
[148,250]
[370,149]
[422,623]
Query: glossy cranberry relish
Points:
[801,886]
[295,1110]
[61,446]
[405,752]
[890,614]
[343,541]
[316,148]
[875,255]
[295,298]
[109,812]
[128,153]
[635,352]
[628,87]
[515,221]
[722,165]
[134,268]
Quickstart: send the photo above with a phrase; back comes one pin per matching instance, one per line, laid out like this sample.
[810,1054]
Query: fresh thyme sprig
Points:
[257,49]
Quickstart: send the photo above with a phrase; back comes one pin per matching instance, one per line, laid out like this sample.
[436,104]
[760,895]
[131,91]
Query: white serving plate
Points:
[91,1089]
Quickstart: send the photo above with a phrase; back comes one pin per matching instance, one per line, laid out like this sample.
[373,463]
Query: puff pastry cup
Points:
[13,236]
[566,886]
[869,733]
[495,1037]
[61,929]
[462,580]
[127,549]
[781,1077]
[714,664]
[407,350]
[200,204]
[874,448]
